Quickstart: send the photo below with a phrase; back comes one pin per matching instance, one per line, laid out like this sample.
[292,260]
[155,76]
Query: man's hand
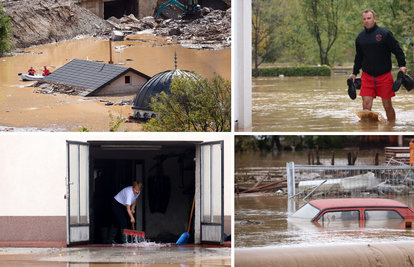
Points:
[404,70]
[132,220]
[352,76]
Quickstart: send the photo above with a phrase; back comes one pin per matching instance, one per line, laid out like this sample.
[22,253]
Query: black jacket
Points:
[373,51]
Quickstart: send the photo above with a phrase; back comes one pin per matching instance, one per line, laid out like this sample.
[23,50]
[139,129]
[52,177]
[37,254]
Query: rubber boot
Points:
[397,84]
[408,82]
[112,234]
[123,236]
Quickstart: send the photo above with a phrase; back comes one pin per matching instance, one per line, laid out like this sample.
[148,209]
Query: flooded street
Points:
[314,104]
[261,221]
[181,256]
[20,107]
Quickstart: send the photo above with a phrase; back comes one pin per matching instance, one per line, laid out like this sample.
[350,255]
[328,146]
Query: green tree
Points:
[5,31]
[114,124]
[244,143]
[193,104]
[323,20]
[267,20]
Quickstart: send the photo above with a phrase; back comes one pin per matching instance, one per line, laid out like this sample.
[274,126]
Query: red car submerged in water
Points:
[323,211]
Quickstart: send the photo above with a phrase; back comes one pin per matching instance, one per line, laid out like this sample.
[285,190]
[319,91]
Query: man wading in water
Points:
[374,46]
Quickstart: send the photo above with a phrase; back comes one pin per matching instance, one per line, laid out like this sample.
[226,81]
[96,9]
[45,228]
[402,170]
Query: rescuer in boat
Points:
[31,71]
[123,207]
[46,72]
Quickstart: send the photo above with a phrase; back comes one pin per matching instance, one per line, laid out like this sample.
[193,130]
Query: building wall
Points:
[146,8]
[119,87]
[33,171]
[95,6]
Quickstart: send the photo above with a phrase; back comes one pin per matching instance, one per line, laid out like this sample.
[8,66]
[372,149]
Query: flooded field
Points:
[20,107]
[261,221]
[314,104]
[279,159]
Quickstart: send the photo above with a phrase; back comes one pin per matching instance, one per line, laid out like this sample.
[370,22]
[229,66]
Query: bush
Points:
[295,71]
[5,31]
[194,104]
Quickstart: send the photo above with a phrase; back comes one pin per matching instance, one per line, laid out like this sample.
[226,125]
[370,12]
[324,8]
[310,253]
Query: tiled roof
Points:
[89,74]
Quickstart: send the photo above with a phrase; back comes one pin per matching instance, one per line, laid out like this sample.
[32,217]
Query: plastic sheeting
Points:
[364,181]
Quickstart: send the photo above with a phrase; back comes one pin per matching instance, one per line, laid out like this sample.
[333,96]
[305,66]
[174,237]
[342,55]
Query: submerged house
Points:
[58,192]
[99,78]
[159,83]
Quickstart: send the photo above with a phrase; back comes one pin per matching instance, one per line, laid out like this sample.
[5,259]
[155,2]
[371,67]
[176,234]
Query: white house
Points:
[55,188]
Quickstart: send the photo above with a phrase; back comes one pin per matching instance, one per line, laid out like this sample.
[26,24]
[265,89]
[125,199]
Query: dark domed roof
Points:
[157,84]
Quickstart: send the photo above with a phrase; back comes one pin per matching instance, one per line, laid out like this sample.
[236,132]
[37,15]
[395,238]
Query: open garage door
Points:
[212,192]
[77,192]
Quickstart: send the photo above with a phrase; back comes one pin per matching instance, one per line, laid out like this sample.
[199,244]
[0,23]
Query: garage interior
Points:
[167,170]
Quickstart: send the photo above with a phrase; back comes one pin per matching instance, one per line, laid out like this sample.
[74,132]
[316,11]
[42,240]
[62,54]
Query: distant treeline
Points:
[294,71]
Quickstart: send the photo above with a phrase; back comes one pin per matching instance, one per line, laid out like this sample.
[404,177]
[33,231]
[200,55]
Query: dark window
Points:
[382,215]
[339,216]
[127,79]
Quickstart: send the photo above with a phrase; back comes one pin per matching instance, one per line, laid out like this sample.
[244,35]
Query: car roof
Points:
[355,202]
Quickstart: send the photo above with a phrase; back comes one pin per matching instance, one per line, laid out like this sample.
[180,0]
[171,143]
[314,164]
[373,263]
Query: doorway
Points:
[167,170]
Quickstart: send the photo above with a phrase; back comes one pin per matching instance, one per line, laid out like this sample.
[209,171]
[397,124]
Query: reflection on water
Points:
[312,104]
[279,159]
[261,221]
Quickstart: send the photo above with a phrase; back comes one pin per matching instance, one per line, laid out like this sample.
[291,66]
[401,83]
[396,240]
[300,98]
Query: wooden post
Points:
[349,158]
[110,51]
[355,158]
[237,189]
[317,156]
[309,157]
[376,158]
[333,158]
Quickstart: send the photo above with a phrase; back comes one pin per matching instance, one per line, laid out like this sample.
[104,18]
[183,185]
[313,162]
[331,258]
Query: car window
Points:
[382,215]
[339,216]
[307,212]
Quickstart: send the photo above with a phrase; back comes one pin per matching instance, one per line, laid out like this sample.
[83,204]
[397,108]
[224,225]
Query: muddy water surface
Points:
[280,158]
[261,221]
[20,107]
[116,256]
[313,104]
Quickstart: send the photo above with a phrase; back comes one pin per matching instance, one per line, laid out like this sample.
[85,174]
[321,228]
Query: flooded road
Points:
[261,221]
[314,104]
[20,107]
[130,256]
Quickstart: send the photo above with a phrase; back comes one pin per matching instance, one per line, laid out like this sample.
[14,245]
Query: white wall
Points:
[33,168]
[118,87]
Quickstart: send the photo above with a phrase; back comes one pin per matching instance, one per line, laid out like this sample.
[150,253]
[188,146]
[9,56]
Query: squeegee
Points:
[133,232]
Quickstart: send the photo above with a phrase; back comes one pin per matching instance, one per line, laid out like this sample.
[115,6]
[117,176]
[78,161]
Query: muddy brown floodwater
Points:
[261,221]
[20,107]
[315,104]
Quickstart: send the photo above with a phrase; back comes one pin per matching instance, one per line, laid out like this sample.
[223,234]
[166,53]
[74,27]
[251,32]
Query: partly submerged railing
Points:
[347,181]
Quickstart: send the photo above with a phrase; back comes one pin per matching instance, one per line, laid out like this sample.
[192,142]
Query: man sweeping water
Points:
[123,206]
[374,46]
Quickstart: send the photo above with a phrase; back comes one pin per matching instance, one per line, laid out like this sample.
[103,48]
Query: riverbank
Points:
[40,22]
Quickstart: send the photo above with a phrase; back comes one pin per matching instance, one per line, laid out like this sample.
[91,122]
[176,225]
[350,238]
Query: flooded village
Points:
[279,175]
[53,34]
